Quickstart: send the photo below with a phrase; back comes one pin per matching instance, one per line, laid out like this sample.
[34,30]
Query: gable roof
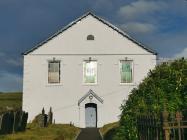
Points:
[101,20]
[90,92]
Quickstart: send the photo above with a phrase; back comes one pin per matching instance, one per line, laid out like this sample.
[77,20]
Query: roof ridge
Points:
[120,31]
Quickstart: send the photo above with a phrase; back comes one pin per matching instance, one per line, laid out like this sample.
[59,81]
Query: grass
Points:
[52,132]
[10,100]
[107,131]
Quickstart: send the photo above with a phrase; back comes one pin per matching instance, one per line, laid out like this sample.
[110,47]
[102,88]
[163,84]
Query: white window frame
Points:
[47,72]
[96,82]
[132,63]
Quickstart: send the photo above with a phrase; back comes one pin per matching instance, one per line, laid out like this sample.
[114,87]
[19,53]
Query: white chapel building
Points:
[84,72]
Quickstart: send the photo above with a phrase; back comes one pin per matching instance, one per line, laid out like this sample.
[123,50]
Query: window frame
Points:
[83,72]
[132,67]
[60,72]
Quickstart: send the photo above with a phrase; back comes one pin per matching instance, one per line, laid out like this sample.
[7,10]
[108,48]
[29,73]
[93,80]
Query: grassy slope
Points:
[13,100]
[53,132]
[107,131]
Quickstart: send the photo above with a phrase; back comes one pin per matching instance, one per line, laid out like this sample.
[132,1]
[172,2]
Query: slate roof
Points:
[101,20]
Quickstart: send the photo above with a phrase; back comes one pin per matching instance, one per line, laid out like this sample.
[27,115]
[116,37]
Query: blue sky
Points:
[160,24]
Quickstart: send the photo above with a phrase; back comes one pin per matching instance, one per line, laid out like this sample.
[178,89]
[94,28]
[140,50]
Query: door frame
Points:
[94,106]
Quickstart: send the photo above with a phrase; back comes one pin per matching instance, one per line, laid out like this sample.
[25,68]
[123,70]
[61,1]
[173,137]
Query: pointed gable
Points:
[90,93]
[108,39]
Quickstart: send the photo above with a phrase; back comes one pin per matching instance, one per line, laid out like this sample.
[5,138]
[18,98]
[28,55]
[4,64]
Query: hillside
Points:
[10,101]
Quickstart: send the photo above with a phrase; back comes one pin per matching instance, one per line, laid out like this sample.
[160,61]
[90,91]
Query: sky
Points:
[160,24]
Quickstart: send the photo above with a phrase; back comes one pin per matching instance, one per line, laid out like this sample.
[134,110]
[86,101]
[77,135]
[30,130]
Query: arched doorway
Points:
[91,115]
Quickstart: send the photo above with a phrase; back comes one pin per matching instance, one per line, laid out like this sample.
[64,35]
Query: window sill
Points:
[54,84]
[127,84]
[90,84]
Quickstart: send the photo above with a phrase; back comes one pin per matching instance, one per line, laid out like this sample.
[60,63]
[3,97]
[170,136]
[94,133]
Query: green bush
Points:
[166,85]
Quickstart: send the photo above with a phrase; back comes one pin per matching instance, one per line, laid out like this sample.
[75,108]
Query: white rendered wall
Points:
[72,48]
[63,98]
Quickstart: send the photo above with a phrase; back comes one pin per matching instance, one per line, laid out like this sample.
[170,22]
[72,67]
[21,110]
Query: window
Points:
[90,37]
[54,72]
[90,71]
[126,71]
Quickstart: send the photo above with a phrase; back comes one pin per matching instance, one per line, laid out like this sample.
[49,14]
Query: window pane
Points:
[54,77]
[90,37]
[50,67]
[126,71]
[90,71]
[54,72]
[56,67]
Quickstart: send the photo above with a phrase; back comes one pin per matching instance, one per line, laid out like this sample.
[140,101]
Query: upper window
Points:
[54,72]
[90,71]
[90,37]
[126,71]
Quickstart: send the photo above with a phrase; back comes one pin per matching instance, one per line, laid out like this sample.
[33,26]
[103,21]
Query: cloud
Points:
[14,62]
[168,44]
[10,82]
[137,27]
[181,54]
[157,23]
[140,8]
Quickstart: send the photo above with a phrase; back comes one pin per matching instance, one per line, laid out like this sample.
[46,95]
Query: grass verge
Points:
[108,130]
[52,132]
